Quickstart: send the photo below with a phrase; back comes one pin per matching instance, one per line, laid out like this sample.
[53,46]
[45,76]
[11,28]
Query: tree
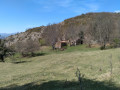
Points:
[52,34]
[3,50]
[102,29]
[28,46]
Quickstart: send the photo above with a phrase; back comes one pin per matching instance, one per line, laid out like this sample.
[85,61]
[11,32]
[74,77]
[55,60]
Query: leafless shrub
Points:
[111,65]
[29,46]
[80,78]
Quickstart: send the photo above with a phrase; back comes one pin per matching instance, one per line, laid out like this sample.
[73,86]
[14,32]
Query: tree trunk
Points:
[2,58]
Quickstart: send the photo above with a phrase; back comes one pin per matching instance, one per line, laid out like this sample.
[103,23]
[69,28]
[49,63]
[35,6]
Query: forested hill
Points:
[97,28]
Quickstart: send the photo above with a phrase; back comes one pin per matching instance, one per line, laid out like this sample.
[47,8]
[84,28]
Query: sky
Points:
[20,15]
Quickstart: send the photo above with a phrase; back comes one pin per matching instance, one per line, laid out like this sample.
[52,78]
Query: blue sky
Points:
[19,15]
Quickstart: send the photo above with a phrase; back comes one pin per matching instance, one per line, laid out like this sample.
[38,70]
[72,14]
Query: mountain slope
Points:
[98,28]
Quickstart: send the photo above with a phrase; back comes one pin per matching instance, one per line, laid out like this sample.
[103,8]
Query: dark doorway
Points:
[63,45]
[81,37]
[79,41]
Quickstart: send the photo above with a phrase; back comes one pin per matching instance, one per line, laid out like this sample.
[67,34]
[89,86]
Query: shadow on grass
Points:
[39,54]
[19,62]
[29,55]
[65,85]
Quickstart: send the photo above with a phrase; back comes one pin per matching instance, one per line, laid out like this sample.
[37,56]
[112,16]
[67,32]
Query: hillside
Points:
[57,71]
[98,28]
[23,36]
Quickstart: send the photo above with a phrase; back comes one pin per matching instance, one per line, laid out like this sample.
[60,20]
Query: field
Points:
[57,70]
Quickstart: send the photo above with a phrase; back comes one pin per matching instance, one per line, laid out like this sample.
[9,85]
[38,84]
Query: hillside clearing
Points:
[50,72]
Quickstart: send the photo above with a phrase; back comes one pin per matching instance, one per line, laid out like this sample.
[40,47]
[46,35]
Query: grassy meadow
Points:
[56,70]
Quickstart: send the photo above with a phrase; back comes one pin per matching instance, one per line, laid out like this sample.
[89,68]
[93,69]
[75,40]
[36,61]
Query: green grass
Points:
[80,48]
[50,71]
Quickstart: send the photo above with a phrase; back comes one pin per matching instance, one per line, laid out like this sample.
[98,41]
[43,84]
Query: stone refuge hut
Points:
[61,44]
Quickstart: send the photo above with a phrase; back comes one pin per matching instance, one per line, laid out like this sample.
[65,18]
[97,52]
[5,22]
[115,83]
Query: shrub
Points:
[42,42]
[102,48]
[116,42]
[28,47]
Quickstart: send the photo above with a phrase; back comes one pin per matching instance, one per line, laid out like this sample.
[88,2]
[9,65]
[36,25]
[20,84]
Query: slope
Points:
[57,71]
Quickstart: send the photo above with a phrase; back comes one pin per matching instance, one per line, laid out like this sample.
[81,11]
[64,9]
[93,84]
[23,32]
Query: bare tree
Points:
[102,29]
[52,34]
[29,46]
[80,78]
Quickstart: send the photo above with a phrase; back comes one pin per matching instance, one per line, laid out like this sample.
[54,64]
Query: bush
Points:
[116,42]
[102,48]
[27,47]
[42,42]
